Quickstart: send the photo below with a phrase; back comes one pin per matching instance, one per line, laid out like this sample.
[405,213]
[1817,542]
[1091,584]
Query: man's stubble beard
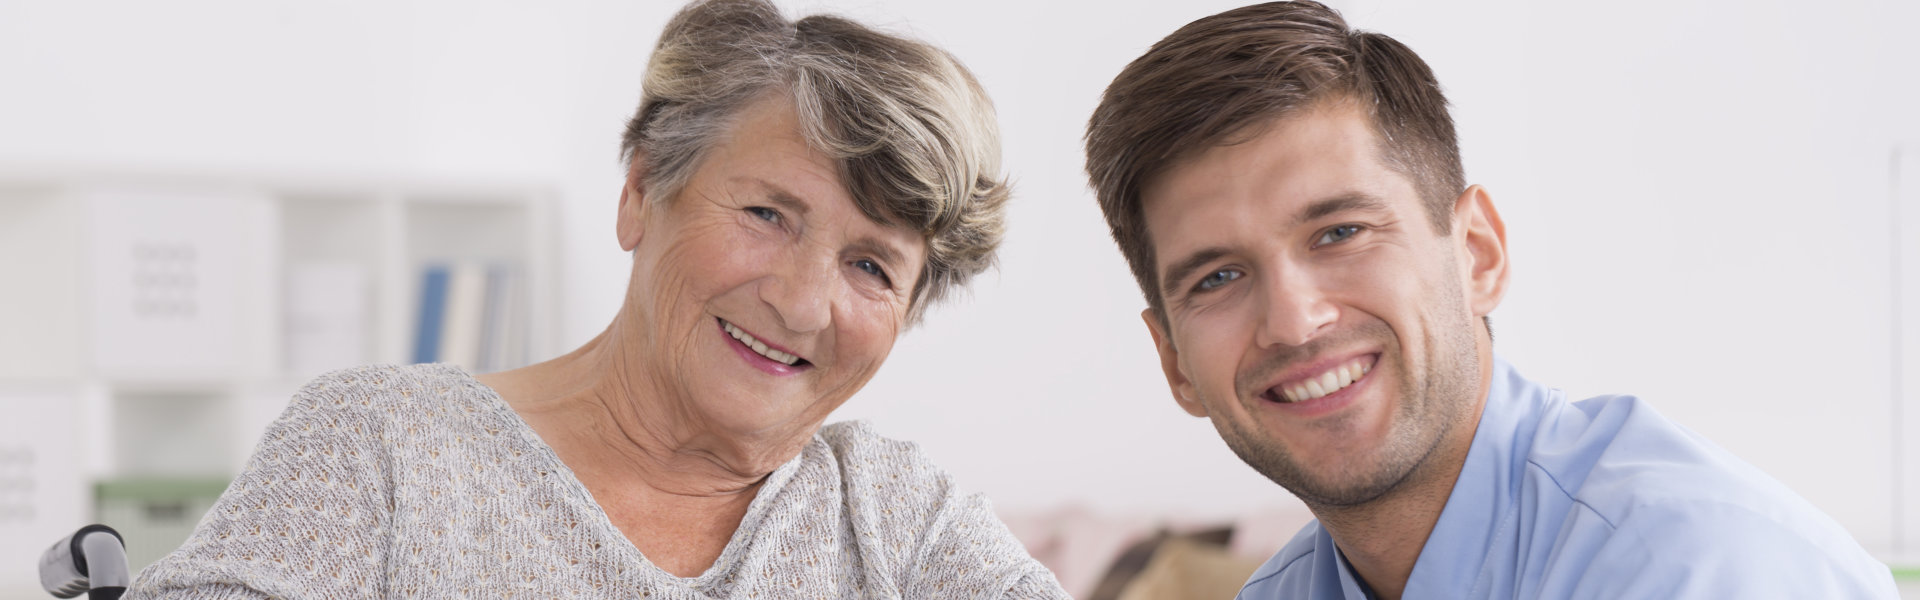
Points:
[1429,409]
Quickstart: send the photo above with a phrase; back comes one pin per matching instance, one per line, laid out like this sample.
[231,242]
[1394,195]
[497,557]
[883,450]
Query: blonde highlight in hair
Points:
[914,135]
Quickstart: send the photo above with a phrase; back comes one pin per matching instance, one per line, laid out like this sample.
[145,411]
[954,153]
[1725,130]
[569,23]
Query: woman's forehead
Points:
[808,187]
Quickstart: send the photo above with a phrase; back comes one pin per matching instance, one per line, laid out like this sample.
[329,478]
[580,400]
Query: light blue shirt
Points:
[1601,498]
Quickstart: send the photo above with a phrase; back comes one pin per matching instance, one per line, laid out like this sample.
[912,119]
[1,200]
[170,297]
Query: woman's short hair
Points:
[914,134]
[1220,79]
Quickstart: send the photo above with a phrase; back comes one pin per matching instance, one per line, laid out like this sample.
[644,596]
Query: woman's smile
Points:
[766,357]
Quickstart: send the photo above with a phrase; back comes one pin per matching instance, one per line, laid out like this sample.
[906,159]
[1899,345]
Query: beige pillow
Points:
[1183,569]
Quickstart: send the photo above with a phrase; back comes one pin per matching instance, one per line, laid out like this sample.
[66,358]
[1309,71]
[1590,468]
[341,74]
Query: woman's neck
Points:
[615,426]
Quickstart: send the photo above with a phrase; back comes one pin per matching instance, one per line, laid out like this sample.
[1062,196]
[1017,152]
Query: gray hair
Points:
[914,134]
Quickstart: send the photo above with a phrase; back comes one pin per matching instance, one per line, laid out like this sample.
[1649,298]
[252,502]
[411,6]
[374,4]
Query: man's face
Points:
[1314,312]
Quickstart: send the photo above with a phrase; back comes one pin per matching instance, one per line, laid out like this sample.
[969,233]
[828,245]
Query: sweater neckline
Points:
[575,491]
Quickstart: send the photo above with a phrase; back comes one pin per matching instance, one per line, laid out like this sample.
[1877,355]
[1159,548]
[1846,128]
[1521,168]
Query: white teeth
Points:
[757,345]
[1333,380]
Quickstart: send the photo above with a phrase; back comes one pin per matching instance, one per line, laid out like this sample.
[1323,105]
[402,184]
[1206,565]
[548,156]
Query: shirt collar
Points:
[1487,490]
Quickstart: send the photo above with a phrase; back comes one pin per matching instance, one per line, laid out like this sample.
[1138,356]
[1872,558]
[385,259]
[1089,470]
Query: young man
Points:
[1289,195]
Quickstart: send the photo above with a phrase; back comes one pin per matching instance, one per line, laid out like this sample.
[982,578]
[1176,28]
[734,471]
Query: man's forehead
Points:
[1285,165]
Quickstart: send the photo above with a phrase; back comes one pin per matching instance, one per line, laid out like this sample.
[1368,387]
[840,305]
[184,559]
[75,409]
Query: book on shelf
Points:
[469,316]
[433,303]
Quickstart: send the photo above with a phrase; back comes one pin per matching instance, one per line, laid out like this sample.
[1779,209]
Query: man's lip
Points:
[1299,373]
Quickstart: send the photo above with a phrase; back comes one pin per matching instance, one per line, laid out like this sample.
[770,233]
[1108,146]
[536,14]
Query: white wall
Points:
[1697,195]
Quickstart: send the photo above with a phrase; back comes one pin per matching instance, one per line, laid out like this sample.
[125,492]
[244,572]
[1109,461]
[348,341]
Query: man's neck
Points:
[1383,539]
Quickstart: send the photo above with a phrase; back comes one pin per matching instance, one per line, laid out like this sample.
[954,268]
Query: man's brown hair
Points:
[1218,80]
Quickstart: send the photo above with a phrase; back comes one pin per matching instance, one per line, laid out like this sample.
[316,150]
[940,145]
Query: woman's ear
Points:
[630,219]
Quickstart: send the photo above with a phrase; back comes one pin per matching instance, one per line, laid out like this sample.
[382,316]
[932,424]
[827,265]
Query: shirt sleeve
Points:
[1728,552]
[302,520]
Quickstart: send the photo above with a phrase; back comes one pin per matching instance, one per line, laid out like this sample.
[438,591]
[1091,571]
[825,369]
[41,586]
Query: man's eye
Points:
[1217,279]
[765,214]
[1338,233]
[873,268]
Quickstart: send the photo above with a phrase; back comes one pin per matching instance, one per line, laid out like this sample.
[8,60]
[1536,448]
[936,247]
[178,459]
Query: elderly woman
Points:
[797,194]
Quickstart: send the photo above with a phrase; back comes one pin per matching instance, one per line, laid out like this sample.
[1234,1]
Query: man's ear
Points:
[1483,237]
[1182,387]
[630,219]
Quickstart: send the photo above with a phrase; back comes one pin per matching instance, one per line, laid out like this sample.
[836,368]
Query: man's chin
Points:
[1318,483]
[1341,494]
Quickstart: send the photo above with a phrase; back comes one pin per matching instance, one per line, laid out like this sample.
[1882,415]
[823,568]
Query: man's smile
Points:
[1320,384]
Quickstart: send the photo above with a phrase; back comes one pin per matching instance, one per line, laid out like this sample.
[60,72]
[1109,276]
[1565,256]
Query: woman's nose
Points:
[802,294]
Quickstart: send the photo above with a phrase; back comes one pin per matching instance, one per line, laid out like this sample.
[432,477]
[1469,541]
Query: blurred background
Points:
[1714,205]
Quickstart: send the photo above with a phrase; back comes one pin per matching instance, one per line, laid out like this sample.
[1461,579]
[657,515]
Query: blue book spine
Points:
[433,306]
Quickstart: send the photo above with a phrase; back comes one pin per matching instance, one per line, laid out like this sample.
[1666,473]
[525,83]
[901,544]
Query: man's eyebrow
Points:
[1350,201]
[1179,271]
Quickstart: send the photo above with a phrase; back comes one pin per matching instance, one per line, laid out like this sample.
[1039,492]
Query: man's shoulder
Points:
[1641,485]
[1290,572]
[1617,456]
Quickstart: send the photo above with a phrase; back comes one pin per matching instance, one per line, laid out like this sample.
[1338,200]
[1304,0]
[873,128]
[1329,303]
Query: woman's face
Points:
[768,299]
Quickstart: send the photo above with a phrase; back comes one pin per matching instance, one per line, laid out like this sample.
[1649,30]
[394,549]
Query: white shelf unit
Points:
[152,326]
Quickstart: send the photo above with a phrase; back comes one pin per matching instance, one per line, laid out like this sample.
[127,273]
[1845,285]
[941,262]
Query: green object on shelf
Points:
[154,515]
[159,488]
[1906,573]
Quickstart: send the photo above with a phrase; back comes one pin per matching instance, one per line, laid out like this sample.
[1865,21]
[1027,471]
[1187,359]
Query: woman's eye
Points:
[765,214]
[873,268]
[1217,279]
[1338,233]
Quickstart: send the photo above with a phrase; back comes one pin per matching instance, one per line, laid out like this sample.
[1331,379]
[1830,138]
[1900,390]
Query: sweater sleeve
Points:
[934,541]
[306,517]
[968,550]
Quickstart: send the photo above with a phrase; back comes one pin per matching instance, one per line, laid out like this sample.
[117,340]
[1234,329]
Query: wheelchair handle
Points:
[92,560]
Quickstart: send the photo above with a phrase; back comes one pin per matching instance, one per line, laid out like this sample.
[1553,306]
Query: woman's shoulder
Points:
[934,539]
[369,400]
[383,388]
[857,446]
[868,464]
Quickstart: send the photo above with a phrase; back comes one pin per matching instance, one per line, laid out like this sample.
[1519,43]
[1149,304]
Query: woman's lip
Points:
[771,366]
[723,327]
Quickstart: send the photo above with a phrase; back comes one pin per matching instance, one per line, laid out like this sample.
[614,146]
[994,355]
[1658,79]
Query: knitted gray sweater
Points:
[420,482]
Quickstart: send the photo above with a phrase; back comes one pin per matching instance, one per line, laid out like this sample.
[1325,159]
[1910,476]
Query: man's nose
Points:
[1296,309]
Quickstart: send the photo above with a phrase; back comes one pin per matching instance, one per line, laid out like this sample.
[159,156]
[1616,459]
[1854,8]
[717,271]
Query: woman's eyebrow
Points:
[886,252]
[779,195]
[882,250]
